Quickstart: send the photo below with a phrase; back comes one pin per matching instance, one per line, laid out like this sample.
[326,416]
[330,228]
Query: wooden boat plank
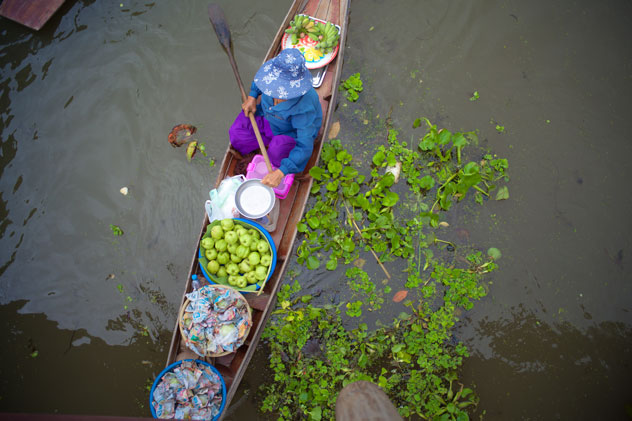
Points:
[31,13]
[233,366]
[257,302]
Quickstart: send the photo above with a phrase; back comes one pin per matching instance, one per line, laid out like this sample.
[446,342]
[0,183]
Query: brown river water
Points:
[85,108]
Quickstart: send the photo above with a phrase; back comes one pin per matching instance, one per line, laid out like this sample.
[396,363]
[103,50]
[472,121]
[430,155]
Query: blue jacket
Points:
[298,117]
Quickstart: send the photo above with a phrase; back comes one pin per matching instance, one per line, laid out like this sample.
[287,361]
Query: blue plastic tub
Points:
[174,365]
[253,287]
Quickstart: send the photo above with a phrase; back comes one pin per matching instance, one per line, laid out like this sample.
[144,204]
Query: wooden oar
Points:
[216,15]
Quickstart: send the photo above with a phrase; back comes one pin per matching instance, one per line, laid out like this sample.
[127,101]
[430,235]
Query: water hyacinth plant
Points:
[315,350]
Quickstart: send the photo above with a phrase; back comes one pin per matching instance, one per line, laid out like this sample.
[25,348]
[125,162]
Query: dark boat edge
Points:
[233,366]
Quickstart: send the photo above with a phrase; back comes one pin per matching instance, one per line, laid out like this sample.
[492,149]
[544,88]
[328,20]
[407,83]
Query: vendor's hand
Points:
[273,179]
[249,106]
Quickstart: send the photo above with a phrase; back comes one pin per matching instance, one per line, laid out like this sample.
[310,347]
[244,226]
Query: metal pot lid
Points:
[253,199]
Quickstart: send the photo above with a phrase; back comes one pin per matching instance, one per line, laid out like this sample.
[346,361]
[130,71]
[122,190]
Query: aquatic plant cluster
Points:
[415,358]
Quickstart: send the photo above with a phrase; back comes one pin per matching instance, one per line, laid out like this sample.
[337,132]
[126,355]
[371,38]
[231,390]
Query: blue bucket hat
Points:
[285,76]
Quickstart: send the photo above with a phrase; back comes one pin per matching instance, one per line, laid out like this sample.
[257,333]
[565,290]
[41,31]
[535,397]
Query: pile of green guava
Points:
[235,253]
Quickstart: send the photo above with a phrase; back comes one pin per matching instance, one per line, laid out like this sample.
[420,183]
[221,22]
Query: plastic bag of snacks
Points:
[188,389]
[215,320]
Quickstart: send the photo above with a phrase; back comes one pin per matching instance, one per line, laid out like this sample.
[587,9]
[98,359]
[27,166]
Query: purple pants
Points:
[242,137]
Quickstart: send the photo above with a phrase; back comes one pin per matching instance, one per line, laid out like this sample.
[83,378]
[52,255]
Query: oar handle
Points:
[260,141]
[218,20]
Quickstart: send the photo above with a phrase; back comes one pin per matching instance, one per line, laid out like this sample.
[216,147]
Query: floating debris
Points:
[400,295]
[124,191]
[334,130]
[395,170]
[181,134]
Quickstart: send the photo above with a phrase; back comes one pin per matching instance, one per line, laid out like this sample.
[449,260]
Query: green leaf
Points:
[494,253]
[499,164]
[348,245]
[116,230]
[332,263]
[191,148]
[459,140]
[444,137]
[471,168]
[334,168]
[503,193]
[426,144]
[426,182]
[332,186]
[349,172]
[313,222]
[416,123]
[312,263]
[316,173]
[315,414]
[378,158]
[390,199]
[352,190]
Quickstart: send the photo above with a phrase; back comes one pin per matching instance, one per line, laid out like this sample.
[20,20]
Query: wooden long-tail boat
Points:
[233,366]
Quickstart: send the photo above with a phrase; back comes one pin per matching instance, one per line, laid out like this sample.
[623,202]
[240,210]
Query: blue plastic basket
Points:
[174,365]
[265,233]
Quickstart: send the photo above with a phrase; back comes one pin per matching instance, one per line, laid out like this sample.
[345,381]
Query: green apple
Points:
[241,282]
[223,257]
[242,251]
[227,224]
[220,245]
[232,269]
[262,246]
[254,234]
[207,243]
[211,254]
[251,277]
[231,237]
[217,232]
[232,248]
[244,267]
[261,272]
[213,267]
[245,240]
[254,258]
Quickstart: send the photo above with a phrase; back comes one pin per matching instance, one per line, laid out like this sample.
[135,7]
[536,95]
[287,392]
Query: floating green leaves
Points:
[474,96]
[116,230]
[494,253]
[358,209]
[503,193]
[352,87]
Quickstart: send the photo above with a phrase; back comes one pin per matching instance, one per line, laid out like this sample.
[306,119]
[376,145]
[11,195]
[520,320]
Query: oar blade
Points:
[218,20]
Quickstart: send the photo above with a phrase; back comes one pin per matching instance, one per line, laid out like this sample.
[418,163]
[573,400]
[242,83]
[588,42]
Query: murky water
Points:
[85,108]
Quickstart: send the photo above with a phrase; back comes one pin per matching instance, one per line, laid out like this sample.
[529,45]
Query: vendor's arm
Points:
[250,105]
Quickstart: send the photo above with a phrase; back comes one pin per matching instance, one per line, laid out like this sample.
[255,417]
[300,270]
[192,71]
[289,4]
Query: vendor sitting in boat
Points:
[289,115]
